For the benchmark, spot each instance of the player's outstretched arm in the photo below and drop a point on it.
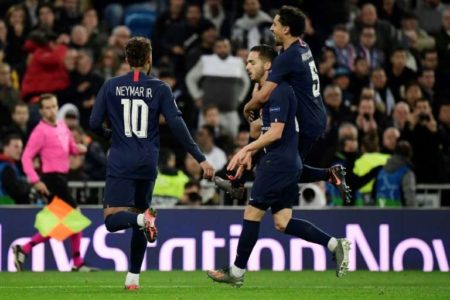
(273, 134)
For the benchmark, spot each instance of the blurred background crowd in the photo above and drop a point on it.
(384, 70)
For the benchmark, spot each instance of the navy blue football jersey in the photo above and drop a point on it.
(133, 103)
(282, 155)
(296, 66)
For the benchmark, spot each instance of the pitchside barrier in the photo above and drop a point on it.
(205, 238)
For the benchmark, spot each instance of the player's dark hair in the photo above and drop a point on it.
(137, 51)
(294, 18)
(10, 137)
(266, 52)
(44, 97)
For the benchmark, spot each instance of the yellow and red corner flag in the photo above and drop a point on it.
(59, 220)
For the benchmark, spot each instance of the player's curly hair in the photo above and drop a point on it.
(294, 18)
(137, 51)
(266, 52)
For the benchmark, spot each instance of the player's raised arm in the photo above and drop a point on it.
(99, 112)
(179, 129)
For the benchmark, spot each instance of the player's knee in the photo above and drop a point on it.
(109, 224)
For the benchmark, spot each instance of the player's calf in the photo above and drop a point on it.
(150, 230)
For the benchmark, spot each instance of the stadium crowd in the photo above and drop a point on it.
(384, 70)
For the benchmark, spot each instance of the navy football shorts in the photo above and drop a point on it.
(125, 192)
(275, 190)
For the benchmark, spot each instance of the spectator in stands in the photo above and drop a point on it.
(19, 122)
(203, 46)
(344, 50)
(76, 162)
(253, 28)
(18, 28)
(367, 48)
(427, 142)
(444, 127)
(342, 80)
(70, 114)
(312, 38)
(94, 160)
(191, 195)
(78, 37)
(370, 159)
(47, 20)
(181, 36)
(365, 119)
(400, 116)
(3, 34)
(69, 15)
(384, 96)
(413, 93)
(395, 185)
(97, 39)
(429, 59)
(85, 84)
(205, 140)
(14, 188)
(386, 33)
(214, 12)
(46, 71)
(360, 76)
(337, 110)
(327, 66)
(222, 137)
(169, 185)
(443, 43)
(390, 138)
(108, 63)
(391, 12)
(118, 40)
(220, 79)
(399, 74)
(31, 7)
(414, 36)
(163, 22)
(427, 82)
(429, 13)
(9, 96)
(241, 139)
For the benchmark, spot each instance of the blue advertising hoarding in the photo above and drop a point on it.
(200, 239)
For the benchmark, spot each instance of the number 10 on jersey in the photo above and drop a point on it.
(135, 110)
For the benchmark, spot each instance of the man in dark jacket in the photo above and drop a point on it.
(13, 189)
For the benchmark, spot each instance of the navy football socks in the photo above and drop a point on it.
(310, 174)
(121, 220)
(137, 251)
(247, 240)
(307, 231)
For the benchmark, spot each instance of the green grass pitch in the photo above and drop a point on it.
(107, 285)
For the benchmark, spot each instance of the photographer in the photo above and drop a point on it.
(365, 119)
(427, 142)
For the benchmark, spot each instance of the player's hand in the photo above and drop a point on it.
(82, 149)
(248, 113)
(41, 188)
(239, 159)
(208, 170)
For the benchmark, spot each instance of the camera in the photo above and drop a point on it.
(424, 117)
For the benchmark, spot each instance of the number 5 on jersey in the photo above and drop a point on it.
(315, 79)
(135, 110)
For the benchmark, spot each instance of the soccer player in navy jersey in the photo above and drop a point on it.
(276, 178)
(133, 103)
(296, 65)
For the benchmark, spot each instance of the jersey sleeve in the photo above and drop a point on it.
(177, 125)
(33, 147)
(279, 104)
(281, 67)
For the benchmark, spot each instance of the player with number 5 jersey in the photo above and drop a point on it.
(133, 104)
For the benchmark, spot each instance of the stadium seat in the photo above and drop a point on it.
(141, 22)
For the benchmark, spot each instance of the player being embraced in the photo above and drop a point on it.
(276, 178)
(296, 65)
(133, 103)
